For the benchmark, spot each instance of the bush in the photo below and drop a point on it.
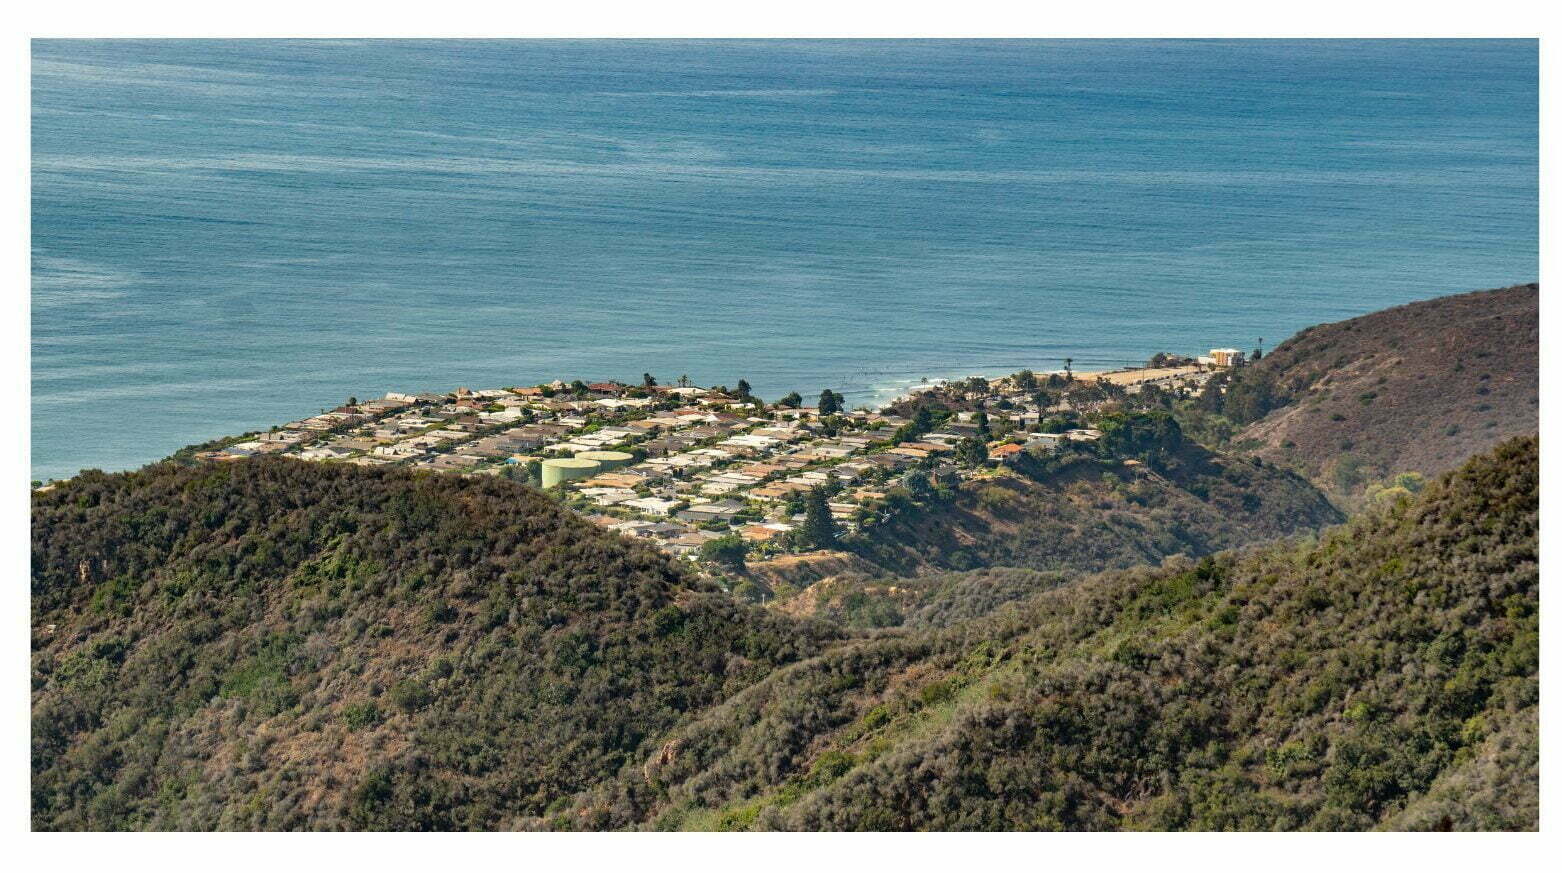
(411, 695)
(728, 551)
(361, 715)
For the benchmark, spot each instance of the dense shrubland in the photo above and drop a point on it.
(1086, 510)
(276, 644)
(272, 644)
(1382, 676)
(1415, 388)
(859, 600)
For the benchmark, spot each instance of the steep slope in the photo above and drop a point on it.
(1086, 514)
(276, 644)
(272, 644)
(1416, 388)
(927, 601)
(1383, 676)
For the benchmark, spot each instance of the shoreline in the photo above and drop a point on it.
(875, 397)
(703, 471)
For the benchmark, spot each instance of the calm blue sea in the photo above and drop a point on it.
(231, 234)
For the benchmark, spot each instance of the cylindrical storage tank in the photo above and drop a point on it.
(556, 471)
(608, 460)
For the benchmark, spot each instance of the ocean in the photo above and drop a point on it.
(232, 234)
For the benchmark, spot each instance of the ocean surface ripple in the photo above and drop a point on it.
(232, 234)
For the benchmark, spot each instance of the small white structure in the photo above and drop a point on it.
(1223, 358)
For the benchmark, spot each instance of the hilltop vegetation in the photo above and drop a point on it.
(1082, 512)
(931, 600)
(1384, 676)
(270, 644)
(1416, 388)
(283, 645)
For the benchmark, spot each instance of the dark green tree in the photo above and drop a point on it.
(1212, 398)
(1251, 397)
(972, 451)
(1140, 435)
(728, 551)
(829, 402)
(818, 524)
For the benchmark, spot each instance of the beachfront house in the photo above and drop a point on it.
(1223, 358)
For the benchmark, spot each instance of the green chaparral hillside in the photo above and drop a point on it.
(1089, 510)
(860, 600)
(272, 644)
(283, 645)
(1382, 676)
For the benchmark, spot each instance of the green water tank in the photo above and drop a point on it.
(556, 471)
(608, 460)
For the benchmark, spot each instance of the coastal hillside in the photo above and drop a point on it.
(1412, 389)
(1381, 677)
(930, 600)
(1082, 513)
(269, 644)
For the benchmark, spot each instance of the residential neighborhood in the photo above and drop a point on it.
(682, 466)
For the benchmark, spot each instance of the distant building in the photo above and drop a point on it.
(719, 511)
(652, 505)
(1047, 440)
(1223, 358)
(1004, 452)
